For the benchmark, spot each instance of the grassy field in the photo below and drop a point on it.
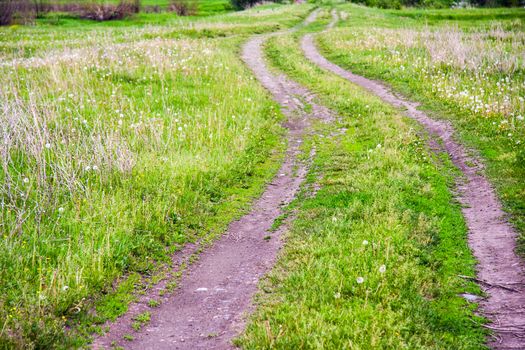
(464, 65)
(372, 261)
(121, 142)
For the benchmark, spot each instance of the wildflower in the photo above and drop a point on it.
(65, 288)
(378, 145)
(337, 295)
(26, 180)
(519, 117)
(382, 269)
(95, 168)
(87, 168)
(61, 210)
(365, 242)
(48, 145)
(179, 128)
(359, 280)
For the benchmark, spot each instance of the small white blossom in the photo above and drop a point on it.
(60, 210)
(26, 180)
(382, 269)
(95, 168)
(48, 145)
(87, 168)
(65, 288)
(359, 280)
(365, 242)
(337, 295)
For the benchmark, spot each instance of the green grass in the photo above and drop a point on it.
(124, 142)
(477, 83)
(384, 201)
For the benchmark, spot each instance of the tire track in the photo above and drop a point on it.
(215, 293)
(491, 238)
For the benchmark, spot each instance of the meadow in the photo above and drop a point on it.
(125, 141)
(120, 143)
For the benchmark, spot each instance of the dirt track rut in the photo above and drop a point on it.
(215, 293)
(491, 238)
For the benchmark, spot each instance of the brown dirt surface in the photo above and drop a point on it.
(500, 272)
(214, 295)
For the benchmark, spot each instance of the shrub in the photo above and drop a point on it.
(183, 7)
(15, 11)
(6, 12)
(106, 12)
(242, 4)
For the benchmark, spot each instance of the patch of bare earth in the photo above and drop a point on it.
(214, 295)
(500, 272)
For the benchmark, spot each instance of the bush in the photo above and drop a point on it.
(106, 12)
(242, 4)
(183, 7)
(16, 11)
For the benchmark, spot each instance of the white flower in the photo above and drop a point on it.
(359, 280)
(519, 117)
(95, 168)
(65, 288)
(179, 128)
(60, 210)
(87, 168)
(26, 180)
(337, 295)
(378, 145)
(382, 269)
(365, 242)
(48, 145)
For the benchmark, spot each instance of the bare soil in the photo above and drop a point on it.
(500, 272)
(214, 295)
